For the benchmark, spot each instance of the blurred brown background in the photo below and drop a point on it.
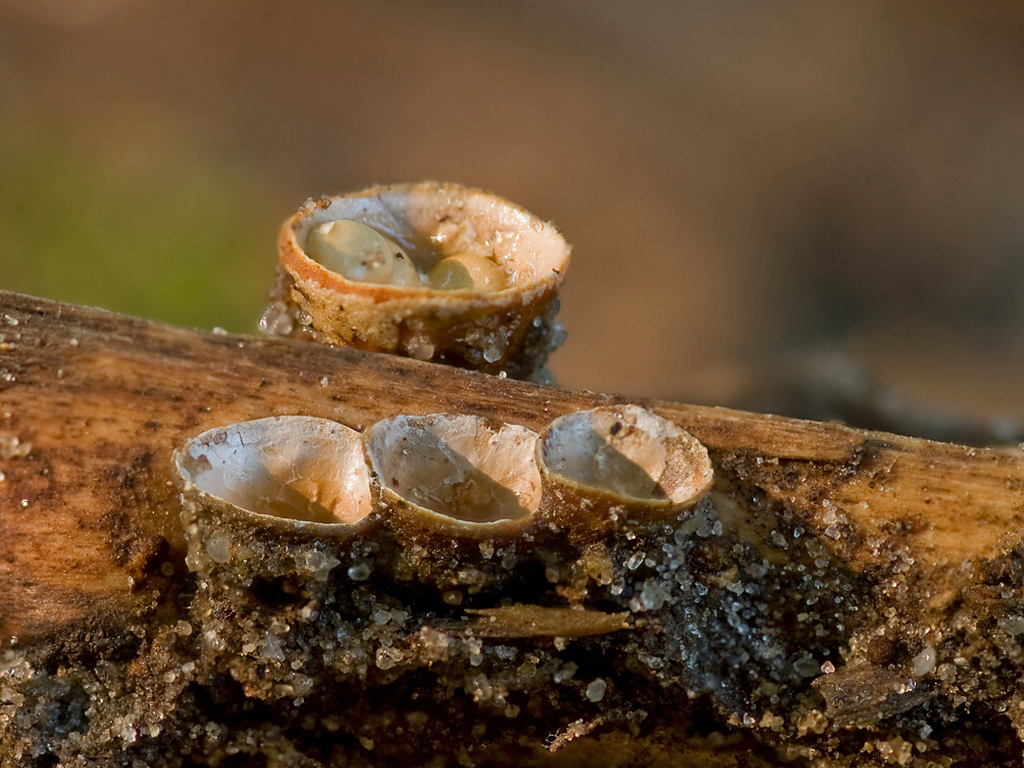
(742, 181)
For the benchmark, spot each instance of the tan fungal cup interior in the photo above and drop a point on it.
(629, 452)
(457, 238)
(471, 469)
(295, 467)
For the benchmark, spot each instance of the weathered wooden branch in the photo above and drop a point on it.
(92, 405)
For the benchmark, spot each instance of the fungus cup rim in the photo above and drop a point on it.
(365, 205)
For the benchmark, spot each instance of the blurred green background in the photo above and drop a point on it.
(138, 226)
(742, 181)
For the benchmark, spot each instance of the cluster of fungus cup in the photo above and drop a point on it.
(432, 271)
(435, 478)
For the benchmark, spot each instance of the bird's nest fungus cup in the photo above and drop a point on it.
(432, 271)
(618, 467)
(280, 480)
(453, 476)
